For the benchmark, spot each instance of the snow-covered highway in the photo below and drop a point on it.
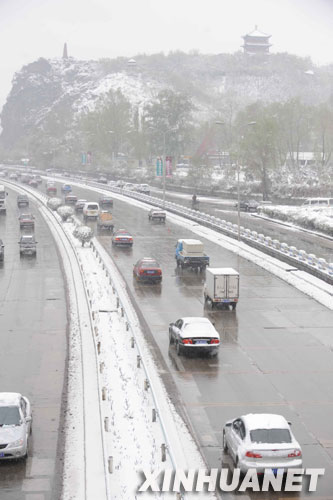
(276, 354)
(277, 349)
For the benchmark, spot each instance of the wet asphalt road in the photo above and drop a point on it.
(33, 351)
(320, 246)
(276, 354)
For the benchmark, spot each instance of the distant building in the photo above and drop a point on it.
(256, 42)
(65, 52)
(131, 63)
(303, 158)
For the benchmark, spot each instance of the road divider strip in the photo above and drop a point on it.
(102, 316)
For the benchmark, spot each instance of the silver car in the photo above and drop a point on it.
(261, 441)
(194, 334)
(15, 425)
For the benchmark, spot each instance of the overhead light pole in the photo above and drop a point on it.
(112, 153)
(164, 158)
(238, 177)
(238, 184)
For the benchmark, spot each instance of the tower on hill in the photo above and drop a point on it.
(65, 53)
(256, 42)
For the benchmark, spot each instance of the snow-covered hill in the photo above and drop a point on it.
(63, 88)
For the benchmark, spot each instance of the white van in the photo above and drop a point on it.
(90, 210)
(318, 202)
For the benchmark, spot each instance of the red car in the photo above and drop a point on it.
(27, 220)
(147, 269)
(122, 238)
(51, 190)
(70, 199)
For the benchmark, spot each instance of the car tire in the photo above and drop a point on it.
(224, 443)
(179, 349)
(171, 339)
(24, 458)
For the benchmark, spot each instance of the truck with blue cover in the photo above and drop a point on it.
(190, 253)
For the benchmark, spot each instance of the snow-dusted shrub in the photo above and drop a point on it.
(316, 218)
(65, 212)
(54, 203)
(83, 234)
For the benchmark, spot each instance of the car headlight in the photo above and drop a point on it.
(18, 442)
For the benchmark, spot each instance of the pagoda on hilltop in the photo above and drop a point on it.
(65, 52)
(256, 42)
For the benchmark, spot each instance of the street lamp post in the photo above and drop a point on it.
(164, 167)
(238, 201)
(238, 179)
(111, 132)
(238, 186)
(163, 159)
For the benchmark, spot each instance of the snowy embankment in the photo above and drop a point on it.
(132, 392)
(314, 218)
(119, 419)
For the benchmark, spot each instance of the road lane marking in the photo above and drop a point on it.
(256, 403)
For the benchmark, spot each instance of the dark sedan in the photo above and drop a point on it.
(248, 206)
(27, 220)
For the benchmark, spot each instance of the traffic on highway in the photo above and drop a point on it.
(251, 383)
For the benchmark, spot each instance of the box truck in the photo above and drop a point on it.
(221, 287)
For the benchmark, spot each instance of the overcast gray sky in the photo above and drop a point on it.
(30, 29)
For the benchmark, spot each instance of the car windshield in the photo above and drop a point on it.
(270, 436)
(148, 264)
(123, 235)
(9, 415)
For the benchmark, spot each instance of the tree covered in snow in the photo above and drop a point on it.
(54, 203)
(168, 122)
(83, 234)
(108, 124)
(65, 212)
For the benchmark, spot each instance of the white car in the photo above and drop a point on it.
(143, 188)
(90, 210)
(195, 335)
(157, 214)
(261, 441)
(79, 205)
(15, 425)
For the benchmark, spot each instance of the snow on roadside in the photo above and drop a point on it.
(134, 441)
(315, 218)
